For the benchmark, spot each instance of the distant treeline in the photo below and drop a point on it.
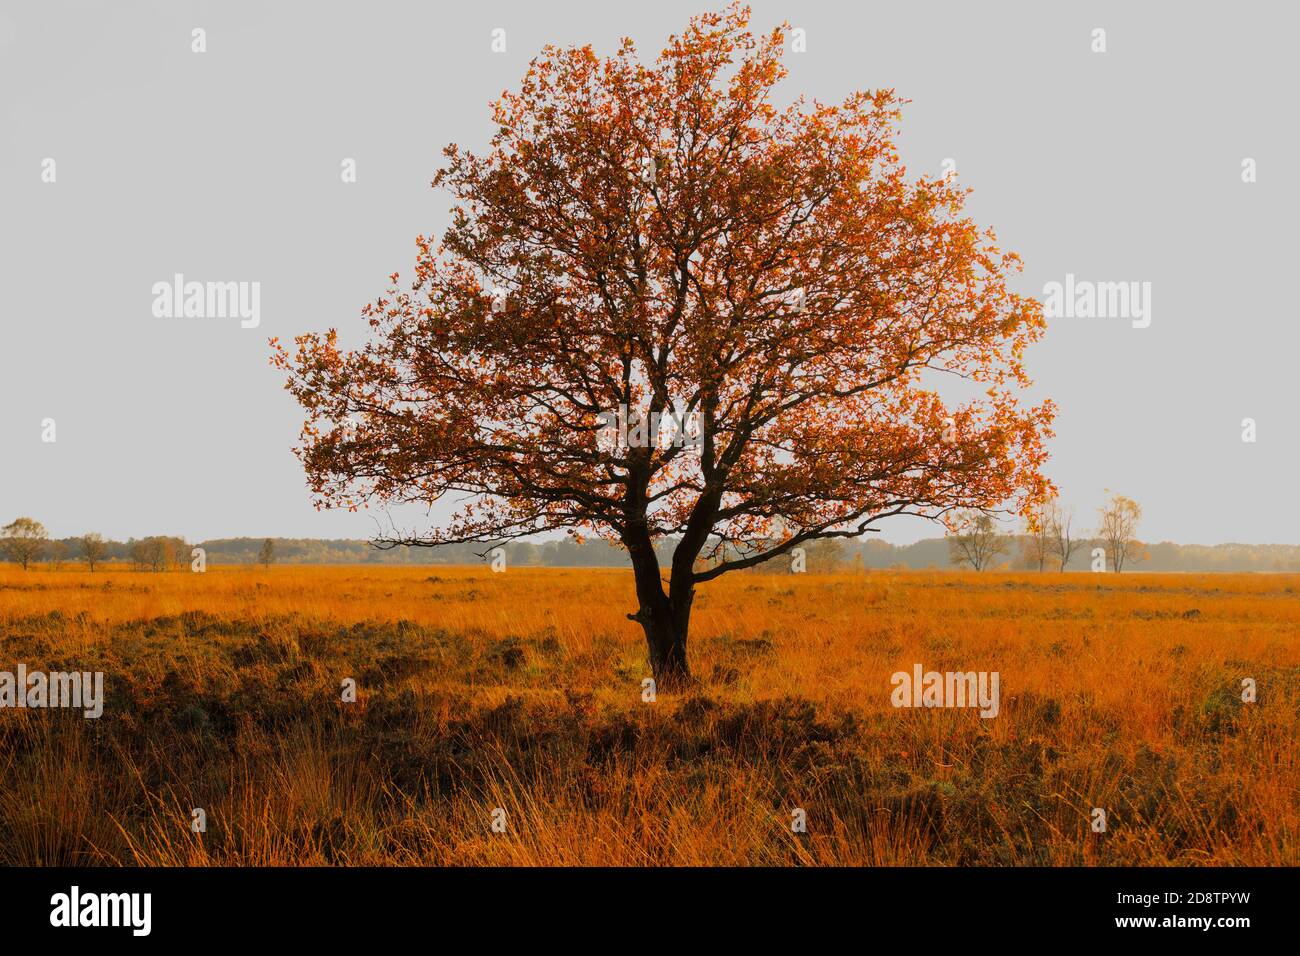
(1166, 556)
(560, 553)
(821, 556)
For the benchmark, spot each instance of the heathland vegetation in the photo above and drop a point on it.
(522, 692)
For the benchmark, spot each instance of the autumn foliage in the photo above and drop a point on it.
(664, 237)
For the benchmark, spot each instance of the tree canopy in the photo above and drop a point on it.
(663, 238)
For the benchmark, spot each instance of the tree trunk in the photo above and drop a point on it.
(665, 620)
(666, 626)
(667, 646)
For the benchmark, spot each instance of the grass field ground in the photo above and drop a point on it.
(523, 691)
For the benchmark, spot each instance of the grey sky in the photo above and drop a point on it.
(1122, 166)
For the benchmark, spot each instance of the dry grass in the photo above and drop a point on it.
(522, 691)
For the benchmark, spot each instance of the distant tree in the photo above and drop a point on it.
(92, 549)
(267, 554)
(976, 541)
(820, 556)
(1037, 541)
(56, 552)
(1117, 529)
(177, 550)
(158, 553)
(825, 555)
(1060, 521)
(23, 540)
(144, 553)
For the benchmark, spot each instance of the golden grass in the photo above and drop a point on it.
(522, 691)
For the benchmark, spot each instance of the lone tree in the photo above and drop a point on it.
(663, 243)
(975, 541)
(92, 549)
(23, 540)
(1117, 527)
(1060, 522)
(267, 554)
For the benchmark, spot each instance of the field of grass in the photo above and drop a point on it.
(522, 691)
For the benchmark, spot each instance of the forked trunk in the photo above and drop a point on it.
(666, 619)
